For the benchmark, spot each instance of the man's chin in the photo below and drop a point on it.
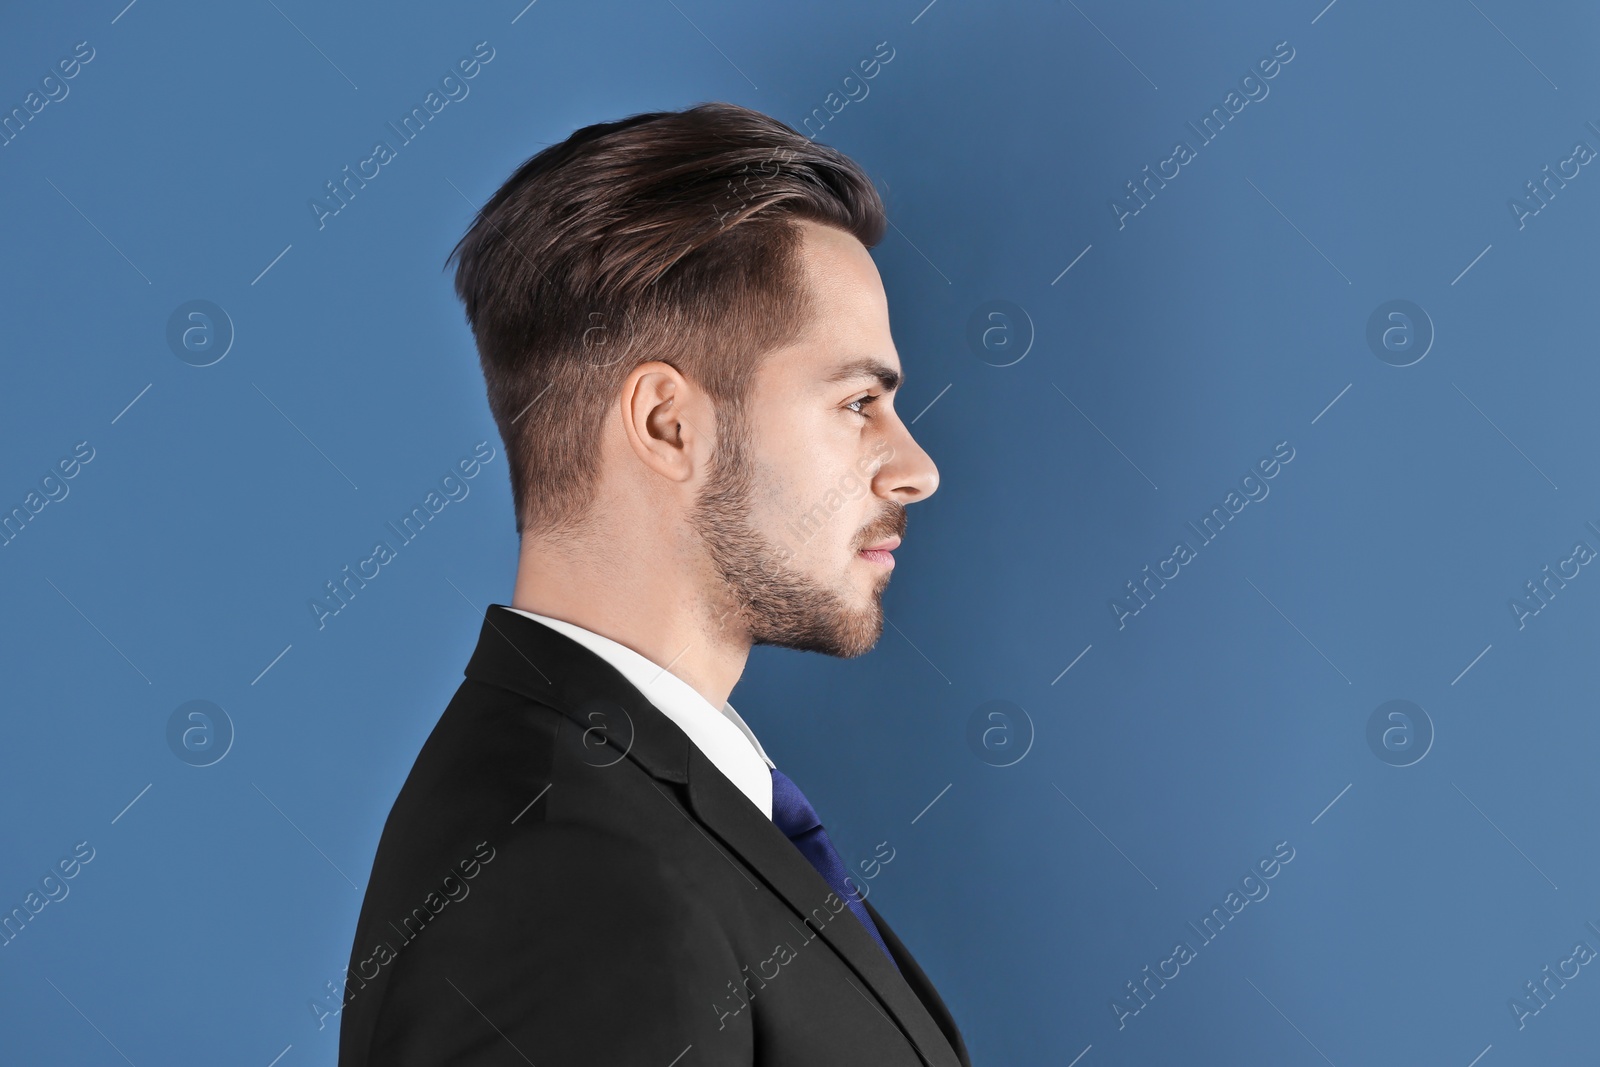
(843, 637)
(832, 648)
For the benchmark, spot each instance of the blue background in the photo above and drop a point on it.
(1229, 314)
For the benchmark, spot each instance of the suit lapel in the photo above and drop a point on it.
(729, 814)
(517, 653)
(924, 988)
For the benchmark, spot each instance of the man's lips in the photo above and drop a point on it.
(881, 553)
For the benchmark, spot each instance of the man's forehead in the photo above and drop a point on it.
(837, 262)
(847, 339)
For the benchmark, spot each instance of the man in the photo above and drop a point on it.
(593, 861)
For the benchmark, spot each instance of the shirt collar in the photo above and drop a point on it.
(723, 736)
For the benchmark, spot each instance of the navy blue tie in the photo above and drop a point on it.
(793, 814)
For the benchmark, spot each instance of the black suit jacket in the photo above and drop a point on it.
(567, 879)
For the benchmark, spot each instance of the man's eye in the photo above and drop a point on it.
(869, 398)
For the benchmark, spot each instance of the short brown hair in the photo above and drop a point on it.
(668, 235)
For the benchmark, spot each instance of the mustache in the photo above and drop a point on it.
(892, 524)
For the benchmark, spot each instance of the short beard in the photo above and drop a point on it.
(775, 604)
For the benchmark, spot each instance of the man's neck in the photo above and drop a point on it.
(651, 610)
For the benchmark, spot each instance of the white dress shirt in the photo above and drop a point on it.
(722, 736)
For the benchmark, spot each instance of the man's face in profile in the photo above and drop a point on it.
(819, 469)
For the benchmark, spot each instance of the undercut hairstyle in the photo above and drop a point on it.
(668, 235)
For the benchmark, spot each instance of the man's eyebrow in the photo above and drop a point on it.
(868, 367)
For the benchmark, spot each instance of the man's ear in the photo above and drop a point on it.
(653, 404)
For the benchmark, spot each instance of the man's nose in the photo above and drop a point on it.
(909, 475)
